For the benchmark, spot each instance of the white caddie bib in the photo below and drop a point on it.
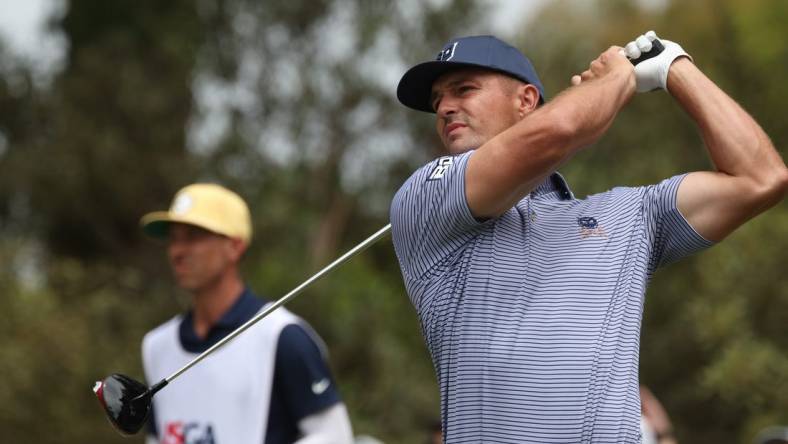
(225, 398)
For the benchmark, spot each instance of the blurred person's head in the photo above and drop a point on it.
(207, 229)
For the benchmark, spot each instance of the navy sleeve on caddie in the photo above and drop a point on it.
(673, 237)
(151, 423)
(430, 217)
(301, 375)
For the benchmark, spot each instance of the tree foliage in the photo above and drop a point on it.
(292, 104)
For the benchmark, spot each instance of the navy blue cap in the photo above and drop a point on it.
(481, 51)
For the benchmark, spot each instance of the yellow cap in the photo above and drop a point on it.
(205, 205)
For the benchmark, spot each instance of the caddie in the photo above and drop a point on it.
(269, 386)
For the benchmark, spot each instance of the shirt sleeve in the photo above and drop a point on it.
(151, 429)
(302, 376)
(331, 425)
(672, 236)
(430, 217)
(150, 424)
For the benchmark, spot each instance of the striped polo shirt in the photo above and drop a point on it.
(533, 318)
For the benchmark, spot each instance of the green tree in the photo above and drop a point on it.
(292, 104)
(130, 120)
(83, 157)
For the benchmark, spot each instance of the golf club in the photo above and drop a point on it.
(656, 49)
(127, 402)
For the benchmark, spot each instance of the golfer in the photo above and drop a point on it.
(271, 385)
(530, 299)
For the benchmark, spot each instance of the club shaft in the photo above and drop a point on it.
(283, 300)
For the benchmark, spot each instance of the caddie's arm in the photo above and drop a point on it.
(507, 167)
(750, 178)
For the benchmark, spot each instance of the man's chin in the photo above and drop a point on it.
(459, 148)
(186, 284)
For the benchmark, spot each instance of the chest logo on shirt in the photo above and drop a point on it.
(441, 168)
(179, 432)
(589, 227)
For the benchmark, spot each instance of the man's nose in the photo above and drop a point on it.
(446, 107)
(175, 247)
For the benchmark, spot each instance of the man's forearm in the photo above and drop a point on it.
(570, 122)
(736, 143)
(511, 164)
(593, 105)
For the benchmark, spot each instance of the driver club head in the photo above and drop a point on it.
(127, 402)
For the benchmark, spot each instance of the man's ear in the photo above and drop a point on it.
(527, 99)
(237, 249)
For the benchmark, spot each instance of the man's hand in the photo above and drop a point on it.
(651, 69)
(610, 61)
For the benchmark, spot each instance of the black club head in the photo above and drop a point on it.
(126, 401)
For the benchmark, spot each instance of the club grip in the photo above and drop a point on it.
(656, 49)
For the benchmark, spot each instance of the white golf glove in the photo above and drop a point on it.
(651, 64)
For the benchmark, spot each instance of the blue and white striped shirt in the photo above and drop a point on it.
(533, 318)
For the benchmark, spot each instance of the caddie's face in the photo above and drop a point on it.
(472, 106)
(198, 257)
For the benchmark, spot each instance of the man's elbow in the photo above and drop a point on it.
(771, 186)
(780, 184)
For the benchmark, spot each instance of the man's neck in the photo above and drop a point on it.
(211, 303)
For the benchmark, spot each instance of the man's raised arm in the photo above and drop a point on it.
(511, 164)
(750, 178)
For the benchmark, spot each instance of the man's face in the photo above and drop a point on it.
(472, 106)
(198, 257)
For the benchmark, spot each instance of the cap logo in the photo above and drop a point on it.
(447, 54)
(182, 204)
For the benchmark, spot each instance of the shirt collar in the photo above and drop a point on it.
(554, 186)
(241, 311)
(244, 307)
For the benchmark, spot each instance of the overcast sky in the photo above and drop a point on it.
(22, 23)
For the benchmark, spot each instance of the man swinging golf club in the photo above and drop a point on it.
(530, 300)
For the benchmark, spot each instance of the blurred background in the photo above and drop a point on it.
(107, 108)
